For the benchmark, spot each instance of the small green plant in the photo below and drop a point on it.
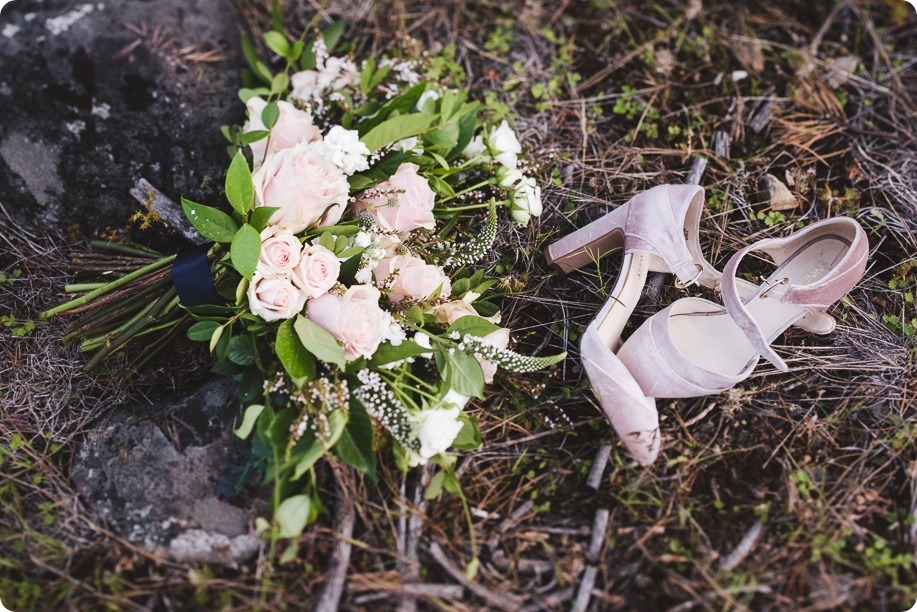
(19, 328)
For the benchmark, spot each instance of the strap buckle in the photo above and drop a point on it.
(772, 285)
(693, 281)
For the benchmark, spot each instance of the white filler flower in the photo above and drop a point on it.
(344, 149)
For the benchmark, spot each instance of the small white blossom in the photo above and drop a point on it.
(344, 149)
(475, 148)
(392, 330)
(409, 145)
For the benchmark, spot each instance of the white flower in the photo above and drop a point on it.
(305, 85)
(392, 330)
(409, 145)
(455, 399)
(364, 275)
(423, 340)
(508, 177)
(475, 148)
(526, 201)
(430, 94)
(362, 239)
(344, 149)
(504, 145)
(337, 73)
(436, 430)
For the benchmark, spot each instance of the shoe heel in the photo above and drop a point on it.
(587, 244)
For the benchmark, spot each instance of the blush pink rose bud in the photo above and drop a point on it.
(293, 127)
(317, 271)
(309, 190)
(274, 298)
(280, 253)
(450, 312)
(402, 203)
(412, 278)
(354, 318)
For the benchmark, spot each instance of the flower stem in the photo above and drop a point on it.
(85, 299)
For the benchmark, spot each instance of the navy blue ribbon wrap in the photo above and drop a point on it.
(192, 279)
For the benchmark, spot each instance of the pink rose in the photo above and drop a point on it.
(354, 318)
(411, 277)
(280, 253)
(309, 190)
(317, 271)
(274, 298)
(402, 203)
(293, 127)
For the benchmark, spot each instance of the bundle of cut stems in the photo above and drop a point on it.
(134, 301)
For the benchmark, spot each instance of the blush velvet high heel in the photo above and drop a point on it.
(658, 231)
(696, 347)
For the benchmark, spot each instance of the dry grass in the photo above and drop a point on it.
(795, 491)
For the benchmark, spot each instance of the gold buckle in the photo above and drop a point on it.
(779, 281)
(693, 281)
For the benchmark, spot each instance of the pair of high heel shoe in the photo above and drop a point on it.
(695, 347)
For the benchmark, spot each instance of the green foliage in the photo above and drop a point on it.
(245, 250)
(212, 223)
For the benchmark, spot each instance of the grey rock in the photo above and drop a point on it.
(154, 475)
(97, 94)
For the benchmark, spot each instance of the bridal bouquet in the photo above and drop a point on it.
(340, 290)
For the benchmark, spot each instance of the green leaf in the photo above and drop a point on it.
(245, 250)
(463, 373)
(367, 75)
(270, 115)
(356, 444)
(248, 420)
(246, 93)
(202, 331)
(397, 128)
(277, 43)
(445, 138)
(337, 421)
(261, 216)
(315, 452)
(440, 186)
(387, 353)
(296, 360)
(251, 56)
(242, 350)
(476, 326)
(319, 342)
(213, 224)
(240, 191)
(332, 35)
(215, 337)
(254, 136)
(469, 438)
(435, 488)
(292, 515)
(279, 83)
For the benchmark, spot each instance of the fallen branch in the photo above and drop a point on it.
(330, 597)
(497, 600)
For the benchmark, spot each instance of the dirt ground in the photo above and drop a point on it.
(792, 491)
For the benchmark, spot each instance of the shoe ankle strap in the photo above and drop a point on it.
(814, 297)
(664, 222)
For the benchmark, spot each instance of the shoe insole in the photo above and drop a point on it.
(623, 299)
(711, 338)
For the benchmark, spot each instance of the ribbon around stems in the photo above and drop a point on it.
(192, 280)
